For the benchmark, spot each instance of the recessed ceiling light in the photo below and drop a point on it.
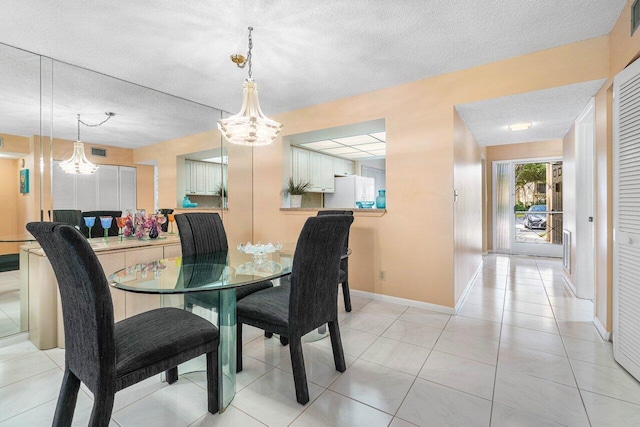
(221, 160)
(320, 145)
(382, 136)
(356, 155)
(356, 140)
(340, 150)
(374, 146)
(520, 126)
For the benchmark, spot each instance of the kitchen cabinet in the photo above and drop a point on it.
(314, 167)
(213, 178)
(343, 167)
(202, 178)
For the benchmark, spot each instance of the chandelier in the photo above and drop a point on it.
(78, 162)
(250, 126)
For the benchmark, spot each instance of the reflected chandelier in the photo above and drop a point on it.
(250, 126)
(78, 162)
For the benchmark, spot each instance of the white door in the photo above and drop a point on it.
(626, 219)
(585, 249)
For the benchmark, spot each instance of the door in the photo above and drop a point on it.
(585, 249)
(536, 197)
(626, 218)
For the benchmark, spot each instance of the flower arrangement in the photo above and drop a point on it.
(140, 224)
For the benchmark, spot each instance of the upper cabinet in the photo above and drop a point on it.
(318, 169)
(202, 178)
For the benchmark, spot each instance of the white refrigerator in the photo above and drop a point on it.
(350, 189)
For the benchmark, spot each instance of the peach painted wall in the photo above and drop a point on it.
(418, 229)
(569, 193)
(9, 192)
(526, 150)
(467, 182)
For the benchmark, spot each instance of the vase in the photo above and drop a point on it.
(153, 231)
(381, 200)
(295, 201)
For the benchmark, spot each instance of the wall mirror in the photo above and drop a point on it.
(344, 166)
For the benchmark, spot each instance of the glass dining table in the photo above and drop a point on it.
(213, 278)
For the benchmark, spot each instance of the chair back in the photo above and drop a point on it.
(68, 216)
(87, 309)
(165, 227)
(346, 242)
(202, 269)
(201, 233)
(314, 294)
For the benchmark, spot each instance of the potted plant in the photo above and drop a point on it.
(295, 190)
(223, 193)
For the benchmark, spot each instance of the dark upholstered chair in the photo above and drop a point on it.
(68, 216)
(310, 301)
(202, 233)
(165, 212)
(344, 263)
(97, 230)
(108, 356)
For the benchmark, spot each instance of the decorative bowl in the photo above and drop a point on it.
(259, 252)
(365, 205)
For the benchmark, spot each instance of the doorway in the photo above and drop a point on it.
(528, 207)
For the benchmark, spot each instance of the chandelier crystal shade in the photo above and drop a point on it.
(78, 162)
(250, 126)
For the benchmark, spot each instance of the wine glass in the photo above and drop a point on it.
(106, 221)
(122, 223)
(172, 219)
(90, 221)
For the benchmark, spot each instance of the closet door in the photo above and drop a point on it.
(626, 219)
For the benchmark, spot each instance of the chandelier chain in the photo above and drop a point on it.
(109, 115)
(248, 60)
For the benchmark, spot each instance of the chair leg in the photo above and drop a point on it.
(212, 382)
(299, 374)
(66, 400)
(346, 295)
(172, 375)
(268, 334)
(336, 345)
(239, 347)
(102, 408)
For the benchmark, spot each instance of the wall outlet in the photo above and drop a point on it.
(383, 275)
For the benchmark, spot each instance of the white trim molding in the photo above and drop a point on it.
(601, 330)
(569, 282)
(467, 288)
(403, 301)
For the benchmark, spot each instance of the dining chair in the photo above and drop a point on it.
(165, 227)
(68, 216)
(344, 263)
(309, 302)
(200, 233)
(106, 356)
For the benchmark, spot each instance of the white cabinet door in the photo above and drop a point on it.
(342, 167)
(198, 178)
(315, 171)
(299, 165)
(327, 173)
(187, 176)
(64, 188)
(107, 181)
(213, 177)
(127, 187)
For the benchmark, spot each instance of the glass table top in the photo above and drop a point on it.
(203, 272)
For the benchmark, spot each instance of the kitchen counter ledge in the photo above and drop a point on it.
(356, 211)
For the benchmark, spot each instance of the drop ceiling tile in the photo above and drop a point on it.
(375, 146)
(321, 145)
(356, 140)
(341, 150)
(377, 152)
(357, 155)
(382, 136)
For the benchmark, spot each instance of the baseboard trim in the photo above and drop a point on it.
(569, 282)
(403, 301)
(601, 330)
(467, 288)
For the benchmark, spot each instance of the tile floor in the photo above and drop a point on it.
(521, 352)
(9, 303)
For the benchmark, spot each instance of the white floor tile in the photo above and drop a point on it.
(536, 363)
(541, 398)
(468, 346)
(612, 382)
(332, 409)
(430, 404)
(503, 416)
(536, 340)
(369, 323)
(530, 321)
(27, 366)
(27, 394)
(605, 411)
(397, 422)
(374, 385)
(475, 327)
(384, 309)
(272, 398)
(413, 333)
(16, 350)
(267, 350)
(600, 353)
(354, 342)
(459, 373)
(528, 308)
(580, 330)
(425, 317)
(491, 314)
(319, 365)
(231, 417)
(403, 357)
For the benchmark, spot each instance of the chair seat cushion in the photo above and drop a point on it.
(158, 335)
(343, 276)
(243, 291)
(269, 307)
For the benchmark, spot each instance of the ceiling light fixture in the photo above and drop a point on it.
(520, 126)
(250, 126)
(78, 162)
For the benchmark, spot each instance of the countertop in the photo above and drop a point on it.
(99, 245)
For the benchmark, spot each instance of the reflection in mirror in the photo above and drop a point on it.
(344, 167)
(20, 151)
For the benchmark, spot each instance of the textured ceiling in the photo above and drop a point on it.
(551, 112)
(305, 53)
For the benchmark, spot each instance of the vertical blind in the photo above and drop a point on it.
(503, 208)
